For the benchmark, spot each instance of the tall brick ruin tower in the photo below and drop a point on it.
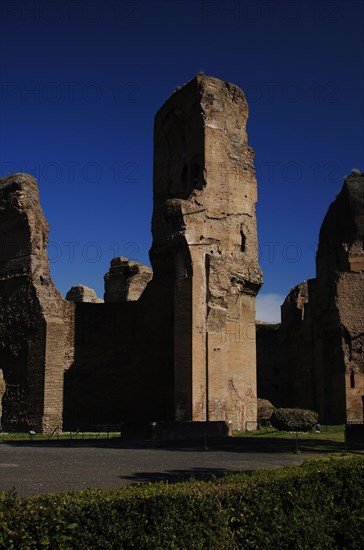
(337, 294)
(205, 251)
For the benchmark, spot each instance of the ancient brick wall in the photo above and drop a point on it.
(204, 251)
(352, 319)
(270, 379)
(35, 322)
(126, 280)
(319, 346)
(101, 385)
(339, 295)
(178, 347)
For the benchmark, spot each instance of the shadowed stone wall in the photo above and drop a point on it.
(36, 336)
(101, 386)
(317, 359)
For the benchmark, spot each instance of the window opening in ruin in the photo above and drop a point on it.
(352, 379)
(243, 241)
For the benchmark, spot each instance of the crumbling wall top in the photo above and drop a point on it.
(342, 231)
(126, 280)
(293, 307)
(24, 236)
(82, 293)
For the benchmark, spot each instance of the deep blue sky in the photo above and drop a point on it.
(81, 82)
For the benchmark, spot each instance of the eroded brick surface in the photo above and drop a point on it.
(315, 359)
(126, 280)
(35, 322)
(205, 244)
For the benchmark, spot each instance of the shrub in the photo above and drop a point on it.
(318, 505)
(294, 420)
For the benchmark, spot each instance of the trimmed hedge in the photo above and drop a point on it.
(318, 505)
(295, 420)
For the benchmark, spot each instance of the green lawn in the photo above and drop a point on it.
(331, 439)
(332, 433)
(25, 436)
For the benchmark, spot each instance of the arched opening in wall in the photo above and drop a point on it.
(243, 241)
(352, 379)
(2, 391)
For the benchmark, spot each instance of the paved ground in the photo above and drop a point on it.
(41, 467)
